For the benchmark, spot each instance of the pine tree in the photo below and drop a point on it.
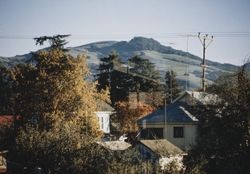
(56, 42)
(111, 78)
(145, 75)
(172, 87)
(223, 139)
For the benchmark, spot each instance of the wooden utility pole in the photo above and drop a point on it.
(203, 39)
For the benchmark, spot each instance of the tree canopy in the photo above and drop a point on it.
(57, 106)
(224, 130)
(172, 87)
(109, 77)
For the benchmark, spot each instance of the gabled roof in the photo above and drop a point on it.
(104, 106)
(203, 98)
(115, 145)
(179, 110)
(174, 113)
(162, 147)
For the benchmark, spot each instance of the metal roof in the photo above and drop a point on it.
(179, 110)
(162, 147)
(174, 113)
(115, 145)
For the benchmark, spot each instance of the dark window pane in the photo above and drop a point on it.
(178, 132)
(152, 133)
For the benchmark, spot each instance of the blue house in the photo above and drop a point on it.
(176, 121)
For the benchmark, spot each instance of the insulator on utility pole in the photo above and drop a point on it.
(203, 39)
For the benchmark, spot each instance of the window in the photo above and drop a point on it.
(152, 133)
(178, 132)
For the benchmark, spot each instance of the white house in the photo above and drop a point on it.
(103, 113)
(175, 122)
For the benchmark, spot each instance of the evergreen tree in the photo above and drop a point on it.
(5, 89)
(56, 42)
(143, 75)
(172, 87)
(224, 130)
(111, 78)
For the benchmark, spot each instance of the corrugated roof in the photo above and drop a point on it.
(162, 147)
(115, 145)
(178, 111)
(203, 98)
(174, 113)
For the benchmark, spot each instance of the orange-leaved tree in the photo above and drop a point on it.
(127, 114)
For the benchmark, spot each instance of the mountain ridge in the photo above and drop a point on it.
(164, 58)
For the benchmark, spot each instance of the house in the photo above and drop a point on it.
(176, 122)
(115, 145)
(103, 113)
(162, 152)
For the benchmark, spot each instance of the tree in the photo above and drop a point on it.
(224, 128)
(5, 91)
(57, 106)
(145, 75)
(111, 78)
(56, 42)
(127, 115)
(172, 87)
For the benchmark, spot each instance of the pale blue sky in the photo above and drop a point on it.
(98, 20)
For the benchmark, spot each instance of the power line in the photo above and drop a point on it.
(162, 35)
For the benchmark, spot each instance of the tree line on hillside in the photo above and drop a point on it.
(139, 75)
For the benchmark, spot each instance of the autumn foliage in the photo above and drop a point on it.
(129, 112)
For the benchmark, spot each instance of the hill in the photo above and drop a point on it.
(186, 65)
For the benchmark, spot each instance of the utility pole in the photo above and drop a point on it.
(171, 86)
(203, 39)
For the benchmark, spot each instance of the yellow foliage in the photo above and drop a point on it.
(56, 92)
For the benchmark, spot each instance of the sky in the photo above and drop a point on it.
(167, 21)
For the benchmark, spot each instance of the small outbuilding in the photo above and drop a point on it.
(161, 151)
(103, 113)
(115, 145)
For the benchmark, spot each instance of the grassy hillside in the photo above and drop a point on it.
(186, 65)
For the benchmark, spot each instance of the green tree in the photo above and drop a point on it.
(56, 42)
(172, 90)
(224, 128)
(5, 88)
(110, 77)
(143, 76)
